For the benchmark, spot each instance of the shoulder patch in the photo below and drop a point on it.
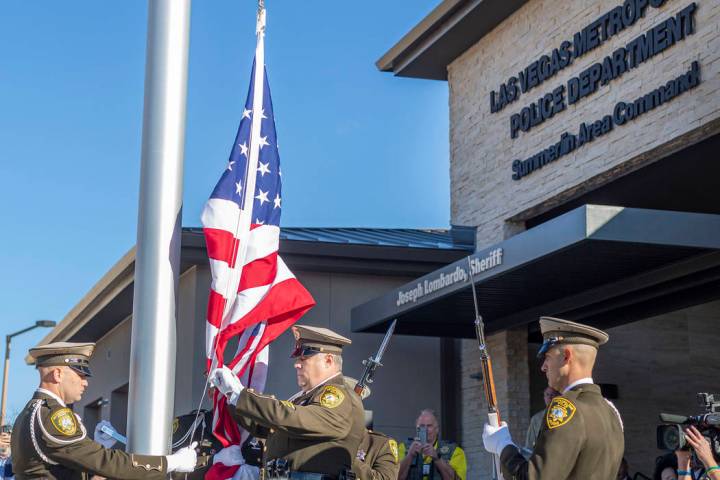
(559, 412)
(331, 397)
(288, 404)
(394, 449)
(64, 422)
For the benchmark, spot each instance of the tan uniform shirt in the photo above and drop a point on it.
(377, 458)
(580, 439)
(50, 441)
(319, 431)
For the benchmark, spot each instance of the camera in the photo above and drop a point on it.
(671, 436)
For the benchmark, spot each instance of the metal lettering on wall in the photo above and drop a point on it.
(592, 36)
(621, 114)
(654, 41)
(427, 286)
(650, 43)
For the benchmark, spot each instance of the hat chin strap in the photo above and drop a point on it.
(324, 382)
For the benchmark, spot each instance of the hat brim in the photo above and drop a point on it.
(547, 345)
(304, 351)
(82, 370)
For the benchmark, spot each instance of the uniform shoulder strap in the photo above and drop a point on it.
(36, 406)
(616, 412)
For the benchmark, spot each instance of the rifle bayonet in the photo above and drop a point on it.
(372, 363)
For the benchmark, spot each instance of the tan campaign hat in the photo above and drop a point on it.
(311, 340)
(556, 331)
(73, 355)
(351, 382)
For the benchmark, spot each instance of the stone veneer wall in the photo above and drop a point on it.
(483, 192)
(510, 368)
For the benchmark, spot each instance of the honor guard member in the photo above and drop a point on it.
(50, 441)
(316, 433)
(582, 435)
(377, 456)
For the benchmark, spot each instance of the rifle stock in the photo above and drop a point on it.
(366, 376)
(487, 373)
(489, 387)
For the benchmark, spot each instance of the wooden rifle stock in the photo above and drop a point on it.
(487, 373)
(489, 386)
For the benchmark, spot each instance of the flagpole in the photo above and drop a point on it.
(157, 260)
(251, 173)
(242, 228)
(245, 219)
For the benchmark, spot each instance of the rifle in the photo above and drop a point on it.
(487, 373)
(372, 363)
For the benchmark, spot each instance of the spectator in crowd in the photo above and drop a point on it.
(437, 459)
(536, 421)
(5, 462)
(701, 447)
(624, 470)
(666, 468)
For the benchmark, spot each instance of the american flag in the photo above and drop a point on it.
(253, 293)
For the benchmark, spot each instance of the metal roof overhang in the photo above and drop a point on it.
(598, 264)
(443, 35)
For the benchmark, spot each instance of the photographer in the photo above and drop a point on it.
(701, 447)
(434, 459)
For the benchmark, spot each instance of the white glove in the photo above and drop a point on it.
(227, 383)
(247, 472)
(101, 437)
(183, 460)
(229, 456)
(495, 439)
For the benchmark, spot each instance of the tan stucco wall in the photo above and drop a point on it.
(408, 381)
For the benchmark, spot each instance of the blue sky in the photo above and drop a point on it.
(358, 147)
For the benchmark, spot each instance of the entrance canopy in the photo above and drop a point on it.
(598, 264)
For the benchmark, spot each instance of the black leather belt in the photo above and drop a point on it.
(278, 470)
(300, 476)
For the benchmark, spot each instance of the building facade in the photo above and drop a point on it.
(340, 267)
(584, 148)
(584, 159)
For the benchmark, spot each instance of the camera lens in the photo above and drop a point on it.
(671, 438)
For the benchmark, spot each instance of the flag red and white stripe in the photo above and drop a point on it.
(253, 293)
